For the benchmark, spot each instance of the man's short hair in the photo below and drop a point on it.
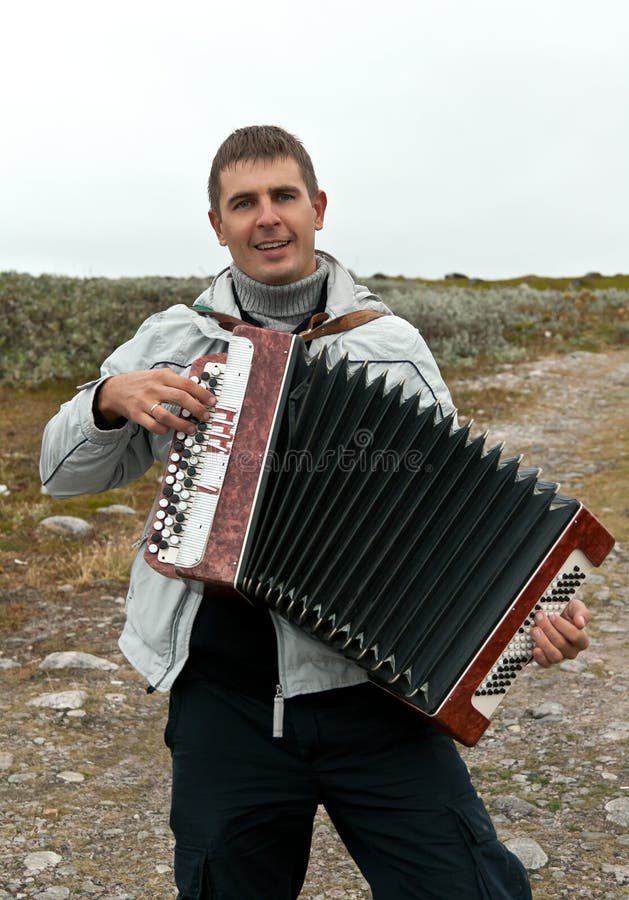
(259, 142)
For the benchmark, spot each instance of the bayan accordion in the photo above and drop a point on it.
(373, 524)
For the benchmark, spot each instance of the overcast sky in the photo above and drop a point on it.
(489, 137)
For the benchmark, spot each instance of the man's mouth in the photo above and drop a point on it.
(272, 245)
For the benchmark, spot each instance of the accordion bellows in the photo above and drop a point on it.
(377, 527)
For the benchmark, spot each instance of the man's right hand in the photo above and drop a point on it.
(139, 396)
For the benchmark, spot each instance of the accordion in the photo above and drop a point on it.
(372, 523)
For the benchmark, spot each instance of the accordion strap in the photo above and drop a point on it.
(319, 326)
(225, 321)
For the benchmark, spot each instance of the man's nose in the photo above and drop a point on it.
(267, 214)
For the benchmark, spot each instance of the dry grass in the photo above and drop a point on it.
(33, 557)
(83, 565)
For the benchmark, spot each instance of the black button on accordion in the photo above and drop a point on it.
(372, 524)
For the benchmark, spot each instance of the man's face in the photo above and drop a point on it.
(268, 221)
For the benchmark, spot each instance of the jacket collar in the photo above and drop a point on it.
(343, 293)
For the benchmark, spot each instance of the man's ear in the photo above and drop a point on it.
(216, 225)
(319, 204)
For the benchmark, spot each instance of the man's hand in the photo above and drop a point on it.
(139, 396)
(559, 637)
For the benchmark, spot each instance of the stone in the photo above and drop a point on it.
(616, 731)
(53, 893)
(6, 760)
(60, 700)
(116, 509)
(514, 807)
(67, 526)
(4, 490)
(573, 665)
(618, 811)
(75, 659)
(549, 708)
(40, 860)
(528, 852)
(66, 871)
(6, 664)
(620, 873)
(611, 628)
(71, 777)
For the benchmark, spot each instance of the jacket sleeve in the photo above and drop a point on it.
(77, 457)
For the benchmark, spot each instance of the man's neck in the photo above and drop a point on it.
(280, 306)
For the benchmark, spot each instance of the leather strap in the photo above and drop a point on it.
(225, 321)
(319, 326)
(334, 326)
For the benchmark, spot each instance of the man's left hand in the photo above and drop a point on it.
(559, 637)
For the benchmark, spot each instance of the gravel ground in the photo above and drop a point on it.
(84, 787)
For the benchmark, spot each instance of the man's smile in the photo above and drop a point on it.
(271, 245)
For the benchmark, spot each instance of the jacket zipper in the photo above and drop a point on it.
(278, 712)
(278, 701)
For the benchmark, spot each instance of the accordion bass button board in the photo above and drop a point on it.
(373, 524)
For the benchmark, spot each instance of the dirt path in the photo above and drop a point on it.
(88, 788)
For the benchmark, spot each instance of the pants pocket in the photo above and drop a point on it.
(192, 873)
(174, 705)
(500, 874)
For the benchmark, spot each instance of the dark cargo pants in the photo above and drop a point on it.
(396, 790)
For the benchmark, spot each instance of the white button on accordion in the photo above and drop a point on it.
(372, 524)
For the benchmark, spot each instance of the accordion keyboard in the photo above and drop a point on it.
(519, 651)
(197, 464)
(185, 469)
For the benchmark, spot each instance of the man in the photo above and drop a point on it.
(243, 800)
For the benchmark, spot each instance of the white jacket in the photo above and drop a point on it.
(79, 458)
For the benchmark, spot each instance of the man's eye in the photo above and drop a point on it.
(243, 204)
(284, 197)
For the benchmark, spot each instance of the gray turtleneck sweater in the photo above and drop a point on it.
(281, 307)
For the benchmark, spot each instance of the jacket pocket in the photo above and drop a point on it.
(500, 874)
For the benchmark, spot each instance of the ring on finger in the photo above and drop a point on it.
(153, 407)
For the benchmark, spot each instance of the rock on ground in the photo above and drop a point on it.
(528, 852)
(60, 700)
(75, 659)
(67, 526)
